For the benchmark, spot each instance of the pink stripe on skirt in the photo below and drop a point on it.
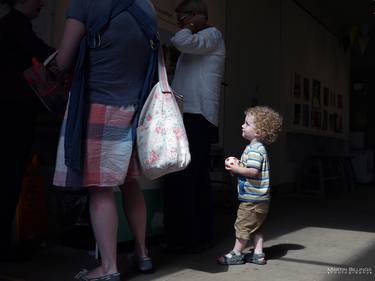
(108, 150)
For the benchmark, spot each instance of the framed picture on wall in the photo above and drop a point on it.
(297, 114)
(332, 99)
(316, 114)
(297, 86)
(306, 89)
(316, 118)
(331, 122)
(339, 128)
(340, 101)
(315, 98)
(316, 108)
(326, 96)
(325, 120)
(306, 115)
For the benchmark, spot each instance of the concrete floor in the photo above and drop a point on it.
(307, 239)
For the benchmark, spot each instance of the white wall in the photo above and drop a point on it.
(253, 64)
(267, 42)
(311, 50)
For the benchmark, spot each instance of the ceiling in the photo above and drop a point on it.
(339, 15)
(342, 18)
(351, 12)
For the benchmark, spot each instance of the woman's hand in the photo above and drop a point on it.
(194, 22)
(186, 22)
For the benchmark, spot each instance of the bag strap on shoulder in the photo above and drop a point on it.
(99, 25)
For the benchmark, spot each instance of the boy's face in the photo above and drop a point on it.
(249, 131)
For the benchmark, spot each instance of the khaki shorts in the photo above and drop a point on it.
(250, 216)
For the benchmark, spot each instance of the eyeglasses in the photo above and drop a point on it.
(181, 16)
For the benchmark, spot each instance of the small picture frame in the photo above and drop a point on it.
(332, 99)
(306, 115)
(297, 86)
(326, 96)
(340, 102)
(325, 120)
(316, 99)
(297, 114)
(306, 89)
(316, 118)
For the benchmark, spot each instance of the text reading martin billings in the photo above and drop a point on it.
(350, 270)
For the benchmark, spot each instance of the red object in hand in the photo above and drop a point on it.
(34, 61)
(231, 161)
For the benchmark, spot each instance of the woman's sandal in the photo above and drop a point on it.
(231, 259)
(259, 259)
(143, 264)
(109, 277)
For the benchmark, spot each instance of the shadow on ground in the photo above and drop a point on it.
(280, 250)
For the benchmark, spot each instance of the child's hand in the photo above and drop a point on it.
(231, 163)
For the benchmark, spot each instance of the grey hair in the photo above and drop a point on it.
(192, 5)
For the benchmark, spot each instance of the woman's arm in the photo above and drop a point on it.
(196, 43)
(74, 31)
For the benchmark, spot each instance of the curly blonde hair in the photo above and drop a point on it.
(267, 121)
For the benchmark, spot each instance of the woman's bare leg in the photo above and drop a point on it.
(135, 211)
(104, 220)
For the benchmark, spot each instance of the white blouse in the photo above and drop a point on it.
(199, 70)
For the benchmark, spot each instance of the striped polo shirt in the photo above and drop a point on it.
(257, 188)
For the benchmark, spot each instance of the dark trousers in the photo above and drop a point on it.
(188, 210)
(17, 125)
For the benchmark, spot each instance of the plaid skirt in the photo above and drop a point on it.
(109, 156)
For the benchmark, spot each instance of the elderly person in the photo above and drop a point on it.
(199, 71)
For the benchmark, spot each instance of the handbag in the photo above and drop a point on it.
(162, 142)
(48, 87)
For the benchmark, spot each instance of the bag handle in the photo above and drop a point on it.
(163, 78)
(50, 58)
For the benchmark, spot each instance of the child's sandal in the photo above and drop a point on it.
(259, 259)
(231, 259)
